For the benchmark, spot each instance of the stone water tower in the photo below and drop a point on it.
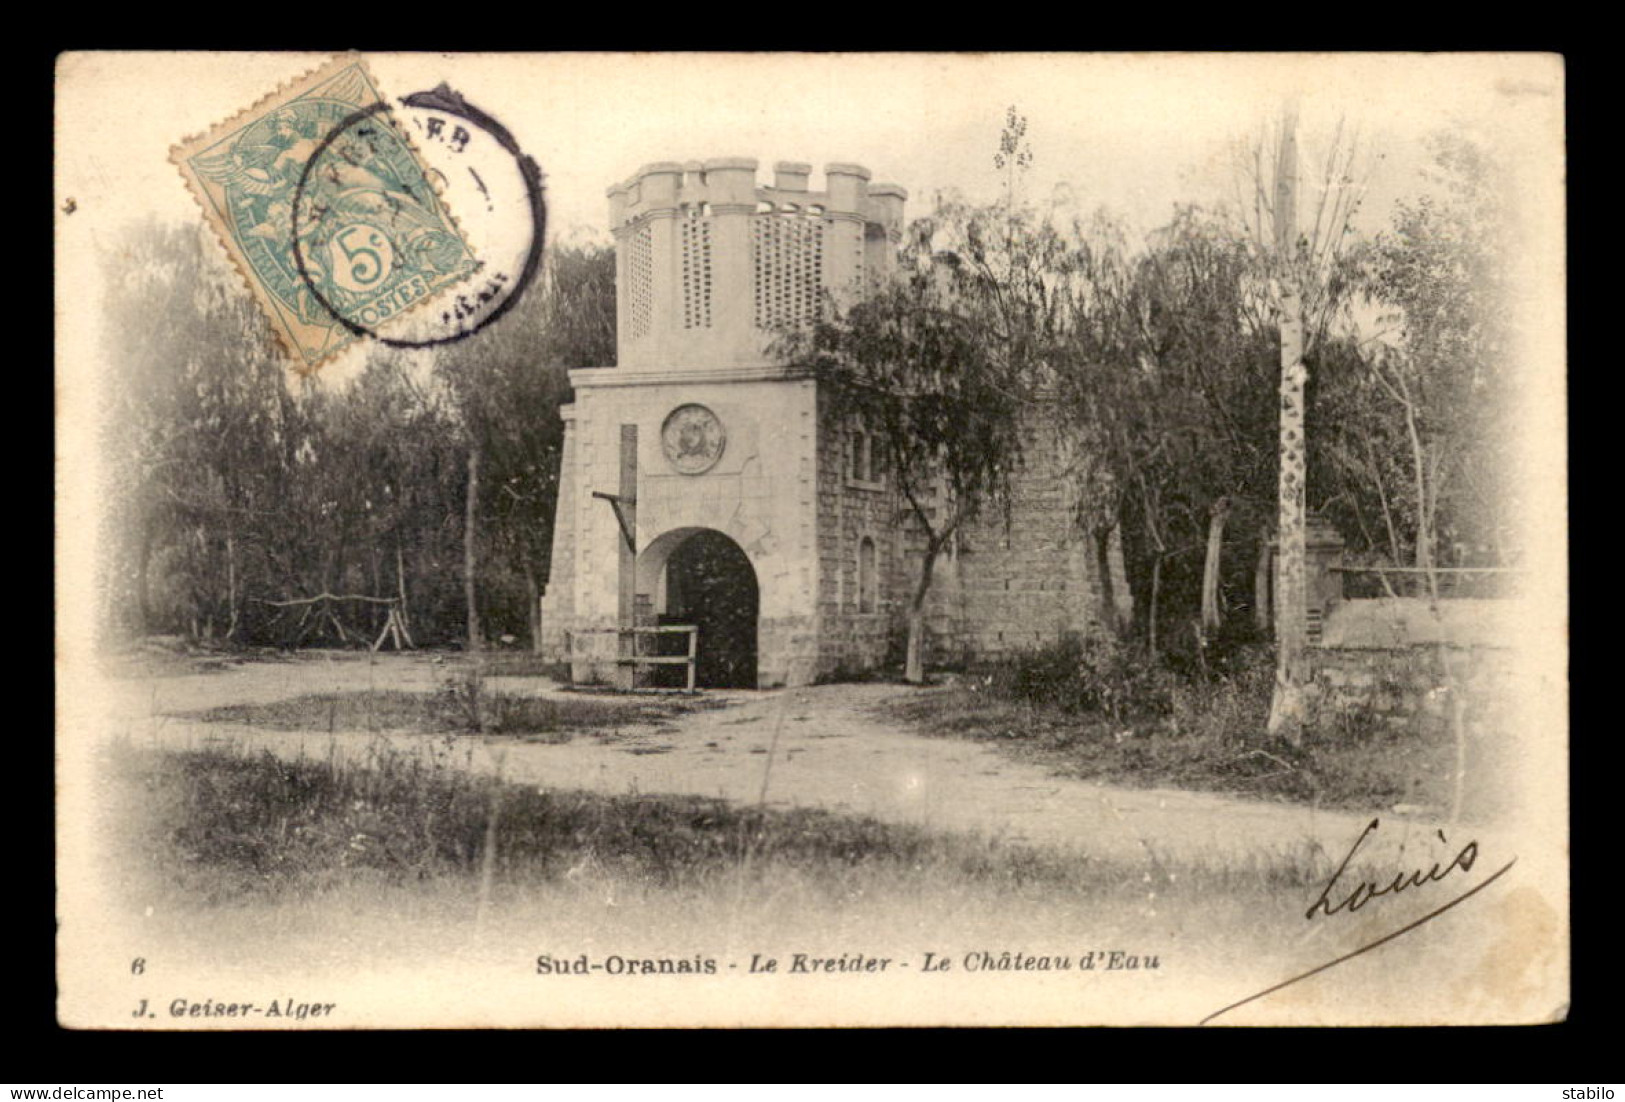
(735, 505)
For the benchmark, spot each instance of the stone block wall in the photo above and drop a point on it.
(1393, 661)
(558, 595)
(996, 589)
(760, 494)
(1026, 582)
(1408, 689)
(850, 511)
(1415, 695)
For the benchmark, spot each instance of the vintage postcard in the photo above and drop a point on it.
(696, 540)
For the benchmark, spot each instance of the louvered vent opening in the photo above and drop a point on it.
(696, 272)
(640, 283)
(788, 257)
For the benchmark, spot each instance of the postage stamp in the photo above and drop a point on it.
(326, 210)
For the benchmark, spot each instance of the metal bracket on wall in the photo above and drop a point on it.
(615, 503)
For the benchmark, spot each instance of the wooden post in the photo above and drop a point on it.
(693, 652)
(627, 509)
(645, 644)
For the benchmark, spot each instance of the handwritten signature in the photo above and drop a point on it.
(1366, 891)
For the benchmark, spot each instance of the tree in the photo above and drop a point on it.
(196, 420)
(1440, 388)
(937, 380)
(1015, 156)
(1089, 396)
(1307, 266)
(386, 475)
(506, 385)
(1172, 379)
(237, 492)
(1291, 602)
(1437, 393)
(944, 365)
(1169, 386)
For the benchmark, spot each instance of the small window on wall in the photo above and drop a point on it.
(868, 575)
(868, 461)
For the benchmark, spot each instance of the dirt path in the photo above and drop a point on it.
(824, 747)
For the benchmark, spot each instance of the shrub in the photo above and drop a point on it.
(1232, 706)
(1084, 675)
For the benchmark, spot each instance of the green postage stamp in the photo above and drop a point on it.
(326, 209)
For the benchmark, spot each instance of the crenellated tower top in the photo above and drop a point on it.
(710, 264)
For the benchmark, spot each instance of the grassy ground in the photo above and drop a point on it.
(1211, 737)
(458, 708)
(403, 874)
(171, 656)
(214, 827)
(523, 664)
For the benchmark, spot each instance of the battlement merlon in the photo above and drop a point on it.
(728, 184)
(884, 206)
(712, 263)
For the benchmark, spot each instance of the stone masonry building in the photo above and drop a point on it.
(703, 483)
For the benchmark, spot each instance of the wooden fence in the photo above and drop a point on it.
(628, 650)
(1452, 582)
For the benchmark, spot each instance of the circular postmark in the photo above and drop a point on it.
(371, 236)
(692, 438)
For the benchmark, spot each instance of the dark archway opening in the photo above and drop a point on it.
(711, 583)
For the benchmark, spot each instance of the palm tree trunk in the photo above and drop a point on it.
(1289, 706)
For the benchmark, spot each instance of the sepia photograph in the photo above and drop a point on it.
(810, 540)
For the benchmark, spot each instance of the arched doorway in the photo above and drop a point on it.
(700, 576)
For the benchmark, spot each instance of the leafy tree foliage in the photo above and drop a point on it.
(1170, 377)
(1424, 420)
(234, 489)
(935, 365)
(197, 429)
(506, 387)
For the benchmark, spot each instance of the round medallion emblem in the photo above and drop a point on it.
(692, 438)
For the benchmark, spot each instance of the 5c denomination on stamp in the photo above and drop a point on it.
(326, 209)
